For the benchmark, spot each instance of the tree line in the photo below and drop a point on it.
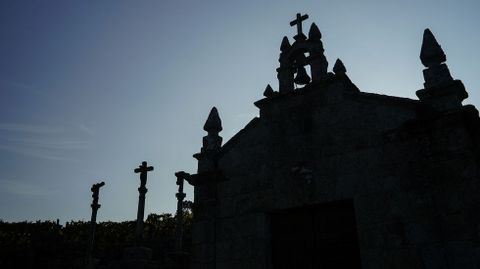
(46, 244)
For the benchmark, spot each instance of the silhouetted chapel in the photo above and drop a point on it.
(329, 176)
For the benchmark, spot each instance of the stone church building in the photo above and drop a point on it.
(329, 176)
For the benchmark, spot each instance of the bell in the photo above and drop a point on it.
(302, 77)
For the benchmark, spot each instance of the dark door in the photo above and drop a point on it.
(321, 236)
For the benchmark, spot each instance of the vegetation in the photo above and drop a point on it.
(45, 244)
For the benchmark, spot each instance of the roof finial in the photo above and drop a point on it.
(285, 44)
(441, 91)
(268, 91)
(432, 56)
(314, 33)
(339, 68)
(213, 123)
(211, 143)
(431, 52)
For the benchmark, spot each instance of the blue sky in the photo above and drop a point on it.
(89, 89)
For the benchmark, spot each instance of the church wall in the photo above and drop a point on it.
(413, 188)
(405, 172)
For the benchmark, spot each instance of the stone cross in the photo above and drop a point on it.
(95, 206)
(142, 169)
(298, 21)
(181, 176)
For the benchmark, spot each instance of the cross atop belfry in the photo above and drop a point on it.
(298, 21)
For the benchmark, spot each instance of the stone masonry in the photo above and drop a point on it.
(410, 167)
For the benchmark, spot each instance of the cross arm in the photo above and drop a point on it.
(299, 19)
(143, 169)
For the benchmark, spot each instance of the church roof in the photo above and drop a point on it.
(321, 84)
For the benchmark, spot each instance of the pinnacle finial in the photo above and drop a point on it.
(431, 52)
(285, 44)
(339, 67)
(268, 91)
(314, 33)
(213, 123)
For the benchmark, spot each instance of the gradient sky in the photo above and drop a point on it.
(89, 89)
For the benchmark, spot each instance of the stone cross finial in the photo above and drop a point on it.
(181, 176)
(95, 191)
(143, 170)
(298, 21)
(93, 220)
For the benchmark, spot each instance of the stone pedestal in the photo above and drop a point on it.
(444, 97)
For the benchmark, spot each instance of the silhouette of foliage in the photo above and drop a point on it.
(44, 244)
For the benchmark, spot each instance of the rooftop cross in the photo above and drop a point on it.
(298, 22)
